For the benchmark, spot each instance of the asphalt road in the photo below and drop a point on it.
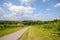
(15, 35)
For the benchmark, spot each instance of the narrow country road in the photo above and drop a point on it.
(15, 35)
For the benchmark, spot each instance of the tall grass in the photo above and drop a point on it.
(49, 31)
(9, 27)
(8, 31)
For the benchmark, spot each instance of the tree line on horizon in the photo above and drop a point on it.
(54, 24)
(10, 24)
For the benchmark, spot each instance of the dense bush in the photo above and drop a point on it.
(10, 24)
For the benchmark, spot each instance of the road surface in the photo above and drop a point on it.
(15, 35)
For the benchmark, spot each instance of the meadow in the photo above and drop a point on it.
(7, 27)
(47, 31)
(40, 30)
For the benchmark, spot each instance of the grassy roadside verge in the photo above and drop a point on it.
(9, 30)
(38, 33)
(24, 36)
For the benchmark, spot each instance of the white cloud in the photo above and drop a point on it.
(9, 15)
(18, 12)
(1, 10)
(27, 2)
(57, 5)
(22, 10)
(44, 0)
(43, 17)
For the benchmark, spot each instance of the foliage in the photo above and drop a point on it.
(7, 27)
(10, 24)
(38, 32)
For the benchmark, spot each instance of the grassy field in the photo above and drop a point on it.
(7, 27)
(8, 31)
(49, 30)
(41, 32)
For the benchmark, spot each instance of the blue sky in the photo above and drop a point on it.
(29, 9)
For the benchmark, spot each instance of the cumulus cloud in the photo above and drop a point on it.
(57, 5)
(27, 2)
(18, 12)
(22, 10)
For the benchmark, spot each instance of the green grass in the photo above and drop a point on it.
(8, 31)
(37, 32)
(24, 37)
